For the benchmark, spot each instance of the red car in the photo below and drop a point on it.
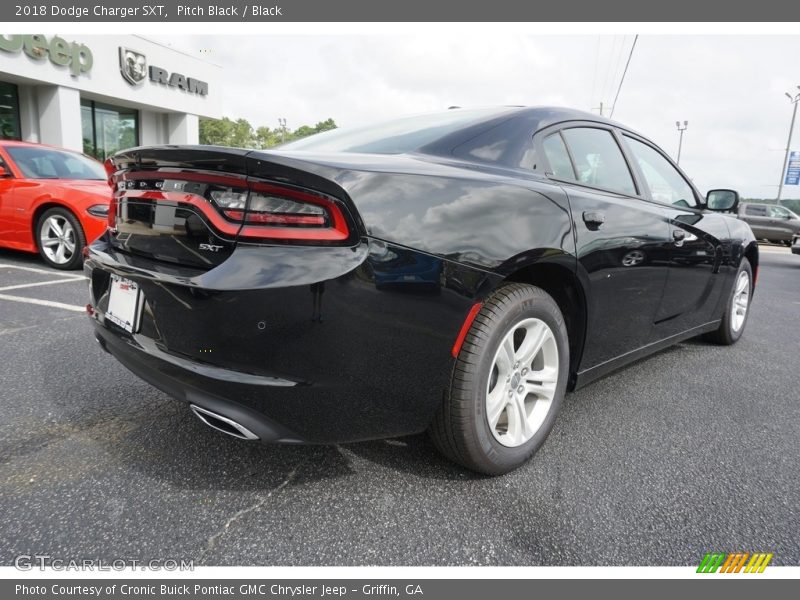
(52, 201)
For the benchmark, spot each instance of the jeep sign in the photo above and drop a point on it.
(77, 57)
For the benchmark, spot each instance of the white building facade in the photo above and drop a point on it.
(99, 94)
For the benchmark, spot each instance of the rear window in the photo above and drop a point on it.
(396, 136)
(49, 163)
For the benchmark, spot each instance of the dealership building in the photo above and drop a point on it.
(99, 94)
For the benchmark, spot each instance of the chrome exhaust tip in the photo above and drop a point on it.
(223, 424)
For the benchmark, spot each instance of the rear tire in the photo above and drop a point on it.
(737, 309)
(60, 239)
(508, 382)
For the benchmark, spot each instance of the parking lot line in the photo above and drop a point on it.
(35, 270)
(38, 283)
(49, 303)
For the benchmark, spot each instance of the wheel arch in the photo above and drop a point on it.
(751, 254)
(564, 286)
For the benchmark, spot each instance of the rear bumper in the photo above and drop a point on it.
(193, 383)
(300, 352)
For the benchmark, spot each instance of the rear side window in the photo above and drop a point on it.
(558, 157)
(598, 159)
(756, 211)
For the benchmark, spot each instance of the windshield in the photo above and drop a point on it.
(48, 163)
(396, 136)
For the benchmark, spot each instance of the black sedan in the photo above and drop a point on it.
(454, 272)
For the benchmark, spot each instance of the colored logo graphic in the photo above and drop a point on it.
(734, 562)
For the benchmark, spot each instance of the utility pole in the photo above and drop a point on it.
(794, 100)
(601, 108)
(282, 123)
(681, 129)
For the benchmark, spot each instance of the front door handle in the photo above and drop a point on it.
(594, 218)
(678, 235)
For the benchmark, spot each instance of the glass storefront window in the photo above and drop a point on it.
(107, 129)
(9, 112)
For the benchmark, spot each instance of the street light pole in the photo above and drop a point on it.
(681, 129)
(282, 123)
(794, 100)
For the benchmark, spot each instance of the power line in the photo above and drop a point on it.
(618, 62)
(621, 81)
(608, 79)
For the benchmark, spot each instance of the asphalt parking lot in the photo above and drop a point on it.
(692, 450)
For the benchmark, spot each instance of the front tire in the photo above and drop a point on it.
(508, 382)
(60, 239)
(737, 308)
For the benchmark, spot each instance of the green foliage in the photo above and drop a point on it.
(240, 133)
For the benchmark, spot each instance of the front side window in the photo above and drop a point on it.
(598, 160)
(778, 212)
(666, 184)
(47, 163)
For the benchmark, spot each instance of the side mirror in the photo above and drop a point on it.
(722, 200)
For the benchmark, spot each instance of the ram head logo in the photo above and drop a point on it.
(133, 65)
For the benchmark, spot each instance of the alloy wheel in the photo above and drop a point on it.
(741, 301)
(522, 382)
(57, 239)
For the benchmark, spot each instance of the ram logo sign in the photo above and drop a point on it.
(133, 66)
(176, 80)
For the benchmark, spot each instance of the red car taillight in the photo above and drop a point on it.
(265, 211)
(278, 212)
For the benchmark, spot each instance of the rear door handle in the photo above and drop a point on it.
(594, 218)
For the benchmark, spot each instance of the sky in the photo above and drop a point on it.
(731, 89)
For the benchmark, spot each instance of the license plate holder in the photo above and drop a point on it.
(124, 303)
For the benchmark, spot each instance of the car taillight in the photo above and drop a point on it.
(277, 212)
(267, 209)
(264, 211)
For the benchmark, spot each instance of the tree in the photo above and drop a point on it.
(266, 137)
(325, 125)
(225, 132)
(240, 134)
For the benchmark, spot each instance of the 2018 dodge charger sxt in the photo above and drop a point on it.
(554, 246)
